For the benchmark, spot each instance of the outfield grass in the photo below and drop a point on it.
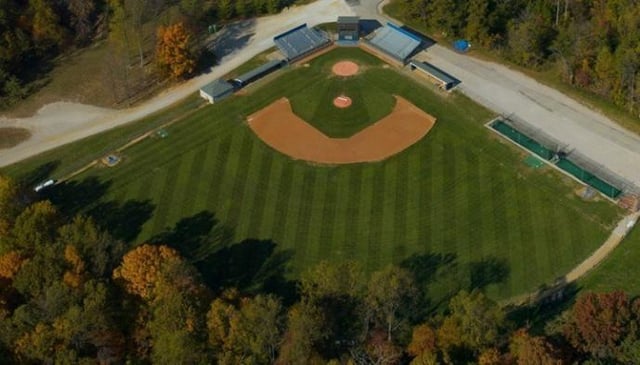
(460, 204)
(617, 272)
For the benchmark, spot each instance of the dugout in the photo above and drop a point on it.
(258, 72)
(348, 28)
(216, 91)
(436, 75)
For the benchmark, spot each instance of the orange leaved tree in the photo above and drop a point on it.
(173, 51)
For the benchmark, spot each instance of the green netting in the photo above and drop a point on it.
(533, 162)
(588, 178)
(522, 139)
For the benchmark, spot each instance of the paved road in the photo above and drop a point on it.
(509, 92)
(61, 123)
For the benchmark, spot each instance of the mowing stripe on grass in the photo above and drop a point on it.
(270, 217)
(234, 168)
(400, 226)
(374, 259)
(260, 194)
(180, 196)
(328, 216)
(219, 169)
(206, 176)
(352, 236)
(291, 218)
(414, 182)
(316, 250)
(282, 203)
(341, 219)
(363, 222)
(527, 254)
(253, 186)
(239, 182)
(388, 217)
(301, 237)
(168, 185)
(449, 218)
(195, 176)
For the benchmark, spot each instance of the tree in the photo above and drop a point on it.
(45, 27)
(390, 298)
(82, 12)
(599, 323)
(423, 340)
(10, 264)
(529, 350)
(529, 38)
(10, 205)
(304, 331)
(142, 267)
(477, 28)
(490, 356)
(474, 321)
(605, 72)
(225, 9)
(173, 51)
(34, 227)
(246, 330)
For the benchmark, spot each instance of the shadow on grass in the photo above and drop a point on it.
(73, 197)
(124, 221)
(39, 174)
(253, 266)
(440, 276)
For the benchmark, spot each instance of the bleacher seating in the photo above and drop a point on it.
(300, 41)
(395, 41)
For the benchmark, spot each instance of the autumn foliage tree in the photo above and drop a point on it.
(142, 267)
(174, 53)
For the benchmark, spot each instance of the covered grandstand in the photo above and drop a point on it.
(301, 41)
(394, 42)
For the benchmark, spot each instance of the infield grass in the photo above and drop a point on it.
(459, 207)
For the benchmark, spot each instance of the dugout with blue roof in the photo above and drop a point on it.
(395, 42)
(301, 41)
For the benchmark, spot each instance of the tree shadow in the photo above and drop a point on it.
(253, 266)
(231, 38)
(73, 197)
(488, 271)
(543, 306)
(124, 221)
(433, 273)
(39, 174)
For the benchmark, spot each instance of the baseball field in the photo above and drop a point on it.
(459, 206)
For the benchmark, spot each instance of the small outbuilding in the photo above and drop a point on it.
(216, 91)
(436, 75)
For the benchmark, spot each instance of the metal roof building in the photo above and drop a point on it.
(216, 91)
(300, 41)
(444, 80)
(258, 72)
(395, 41)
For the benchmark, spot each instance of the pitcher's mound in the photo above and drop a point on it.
(345, 68)
(342, 101)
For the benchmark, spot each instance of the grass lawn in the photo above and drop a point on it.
(459, 207)
(617, 272)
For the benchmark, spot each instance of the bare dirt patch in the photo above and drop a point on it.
(284, 131)
(342, 102)
(345, 68)
(11, 136)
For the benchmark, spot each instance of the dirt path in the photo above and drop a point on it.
(61, 123)
(284, 131)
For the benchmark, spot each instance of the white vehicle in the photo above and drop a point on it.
(44, 185)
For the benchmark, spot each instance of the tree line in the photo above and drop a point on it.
(34, 32)
(72, 293)
(596, 42)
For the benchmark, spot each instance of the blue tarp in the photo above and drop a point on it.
(461, 45)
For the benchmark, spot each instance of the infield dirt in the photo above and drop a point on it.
(289, 134)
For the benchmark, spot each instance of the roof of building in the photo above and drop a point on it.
(300, 40)
(395, 41)
(246, 77)
(434, 71)
(348, 20)
(217, 88)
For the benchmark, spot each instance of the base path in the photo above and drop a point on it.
(286, 132)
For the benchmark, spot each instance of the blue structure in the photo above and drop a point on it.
(443, 79)
(461, 45)
(301, 41)
(395, 42)
(258, 72)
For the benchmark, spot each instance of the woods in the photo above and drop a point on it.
(71, 293)
(594, 43)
